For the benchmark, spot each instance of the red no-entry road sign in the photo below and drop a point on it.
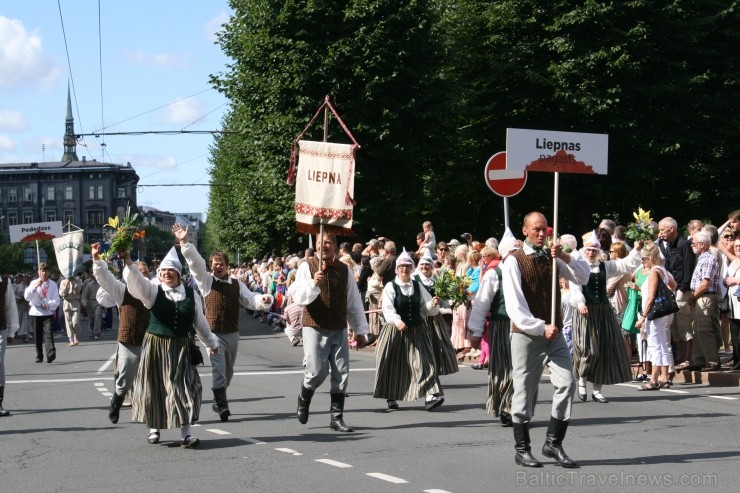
(503, 182)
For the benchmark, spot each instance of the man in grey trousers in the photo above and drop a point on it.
(527, 284)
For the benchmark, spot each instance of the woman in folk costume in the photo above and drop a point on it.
(490, 307)
(404, 358)
(446, 360)
(167, 388)
(598, 350)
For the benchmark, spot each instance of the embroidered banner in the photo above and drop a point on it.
(68, 250)
(324, 187)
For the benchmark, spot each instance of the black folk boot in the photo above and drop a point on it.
(115, 407)
(220, 405)
(3, 412)
(523, 455)
(304, 400)
(337, 414)
(553, 447)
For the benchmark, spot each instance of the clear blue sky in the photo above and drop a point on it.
(132, 66)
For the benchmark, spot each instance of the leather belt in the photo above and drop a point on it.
(517, 330)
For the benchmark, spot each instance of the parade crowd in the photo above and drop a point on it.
(593, 309)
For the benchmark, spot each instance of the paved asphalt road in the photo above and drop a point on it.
(59, 437)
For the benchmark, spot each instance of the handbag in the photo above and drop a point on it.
(196, 357)
(629, 319)
(665, 302)
(724, 303)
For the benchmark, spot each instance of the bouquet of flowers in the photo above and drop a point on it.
(643, 228)
(120, 235)
(452, 288)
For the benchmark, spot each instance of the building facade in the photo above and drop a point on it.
(76, 192)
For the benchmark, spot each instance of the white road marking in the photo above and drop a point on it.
(333, 463)
(252, 440)
(436, 491)
(385, 477)
(107, 394)
(202, 374)
(101, 389)
(723, 397)
(288, 451)
(218, 432)
(99, 384)
(107, 364)
(674, 391)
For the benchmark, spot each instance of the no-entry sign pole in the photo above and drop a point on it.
(502, 181)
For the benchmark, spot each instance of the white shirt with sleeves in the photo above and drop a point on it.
(205, 280)
(428, 309)
(146, 290)
(516, 305)
(304, 292)
(489, 286)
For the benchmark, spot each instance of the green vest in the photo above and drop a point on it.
(498, 305)
(173, 318)
(595, 290)
(408, 307)
(430, 289)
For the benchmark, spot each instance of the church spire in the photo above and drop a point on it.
(70, 141)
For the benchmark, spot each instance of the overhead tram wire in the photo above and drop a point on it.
(69, 65)
(100, 69)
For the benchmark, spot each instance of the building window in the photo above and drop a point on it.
(121, 192)
(68, 215)
(12, 218)
(49, 193)
(51, 216)
(68, 192)
(12, 196)
(91, 192)
(28, 194)
(95, 219)
(27, 217)
(100, 191)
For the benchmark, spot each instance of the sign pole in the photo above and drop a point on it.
(554, 284)
(506, 213)
(38, 255)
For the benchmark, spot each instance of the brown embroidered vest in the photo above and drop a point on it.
(537, 286)
(133, 320)
(4, 283)
(222, 306)
(329, 309)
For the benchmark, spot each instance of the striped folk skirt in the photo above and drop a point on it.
(167, 388)
(444, 353)
(598, 346)
(500, 385)
(404, 364)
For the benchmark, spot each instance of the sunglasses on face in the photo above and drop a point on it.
(443, 249)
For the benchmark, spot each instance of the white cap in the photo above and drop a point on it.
(591, 241)
(426, 259)
(507, 243)
(171, 261)
(404, 259)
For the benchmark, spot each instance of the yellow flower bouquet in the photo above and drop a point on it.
(643, 228)
(120, 234)
(452, 288)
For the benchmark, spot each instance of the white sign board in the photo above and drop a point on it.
(550, 151)
(36, 231)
